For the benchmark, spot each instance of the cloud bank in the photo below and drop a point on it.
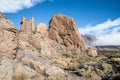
(12, 6)
(107, 33)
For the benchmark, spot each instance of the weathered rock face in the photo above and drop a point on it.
(7, 37)
(27, 34)
(42, 29)
(63, 30)
(34, 53)
(27, 26)
(27, 29)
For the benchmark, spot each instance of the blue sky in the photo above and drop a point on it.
(97, 17)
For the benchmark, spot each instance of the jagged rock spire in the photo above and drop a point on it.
(32, 24)
(23, 20)
(27, 26)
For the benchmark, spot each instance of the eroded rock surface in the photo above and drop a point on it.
(7, 37)
(63, 30)
(38, 53)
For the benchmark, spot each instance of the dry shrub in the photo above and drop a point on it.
(95, 77)
(60, 63)
(20, 75)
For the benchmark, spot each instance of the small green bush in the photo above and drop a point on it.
(66, 55)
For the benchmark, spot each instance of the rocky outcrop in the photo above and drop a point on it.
(27, 35)
(38, 53)
(7, 37)
(27, 29)
(91, 52)
(42, 29)
(63, 30)
(27, 26)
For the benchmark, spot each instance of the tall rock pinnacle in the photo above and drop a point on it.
(63, 30)
(27, 29)
(27, 26)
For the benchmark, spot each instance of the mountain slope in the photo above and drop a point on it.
(38, 53)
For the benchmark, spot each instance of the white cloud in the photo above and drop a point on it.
(107, 33)
(100, 27)
(11, 6)
(109, 39)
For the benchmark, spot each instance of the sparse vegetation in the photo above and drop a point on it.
(116, 77)
(117, 60)
(66, 55)
(20, 75)
(34, 65)
(37, 77)
(84, 58)
(60, 63)
(96, 68)
(95, 77)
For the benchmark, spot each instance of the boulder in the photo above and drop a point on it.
(91, 52)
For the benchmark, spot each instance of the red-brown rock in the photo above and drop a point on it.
(63, 30)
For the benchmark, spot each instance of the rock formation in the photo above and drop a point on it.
(42, 29)
(7, 37)
(37, 52)
(27, 26)
(27, 29)
(63, 30)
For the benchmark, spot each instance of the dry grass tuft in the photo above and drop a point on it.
(60, 63)
(20, 75)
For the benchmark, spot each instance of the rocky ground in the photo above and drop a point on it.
(102, 67)
(56, 53)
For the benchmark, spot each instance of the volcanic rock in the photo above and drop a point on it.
(38, 53)
(63, 30)
(7, 37)
(27, 26)
(91, 51)
(42, 29)
(27, 29)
